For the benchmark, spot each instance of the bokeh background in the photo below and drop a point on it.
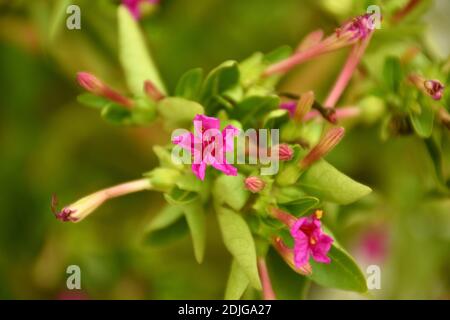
(51, 144)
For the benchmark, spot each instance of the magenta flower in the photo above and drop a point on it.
(134, 6)
(290, 106)
(208, 145)
(310, 241)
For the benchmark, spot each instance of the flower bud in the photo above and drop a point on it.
(328, 142)
(285, 152)
(94, 85)
(254, 184)
(288, 256)
(152, 91)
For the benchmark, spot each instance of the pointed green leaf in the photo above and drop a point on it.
(287, 284)
(180, 197)
(134, 55)
(392, 73)
(189, 85)
(300, 206)
(237, 282)
(93, 101)
(178, 112)
(230, 190)
(168, 225)
(324, 181)
(239, 241)
(253, 108)
(196, 221)
(220, 80)
(342, 273)
(423, 120)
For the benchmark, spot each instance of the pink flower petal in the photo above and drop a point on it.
(301, 250)
(199, 170)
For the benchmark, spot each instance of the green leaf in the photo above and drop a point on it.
(324, 181)
(342, 273)
(163, 179)
(287, 284)
(178, 112)
(435, 152)
(165, 158)
(237, 282)
(93, 101)
(230, 190)
(116, 114)
(278, 55)
(251, 69)
(300, 207)
(392, 73)
(141, 113)
(422, 121)
(134, 56)
(196, 221)
(180, 197)
(189, 85)
(251, 109)
(220, 80)
(170, 224)
(239, 242)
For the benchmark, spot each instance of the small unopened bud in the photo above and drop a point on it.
(94, 85)
(304, 105)
(152, 91)
(91, 83)
(328, 142)
(285, 152)
(434, 88)
(254, 184)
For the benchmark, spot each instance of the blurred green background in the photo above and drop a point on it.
(51, 144)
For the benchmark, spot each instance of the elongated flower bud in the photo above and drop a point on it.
(254, 184)
(94, 85)
(152, 91)
(288, 256)
(328, 142)
(80, 209)
(304, 105)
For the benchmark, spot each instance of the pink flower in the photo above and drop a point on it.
(290, 106)
(310, 241)
(208, 145)
(133, 6)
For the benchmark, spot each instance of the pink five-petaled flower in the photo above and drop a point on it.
(208, 145)
(134, 6)
(310, 240)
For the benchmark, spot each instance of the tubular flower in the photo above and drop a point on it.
(208, 145)
(134, 6)
(351, 32)
(80, 209)
(95, 86)
(326, 144)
